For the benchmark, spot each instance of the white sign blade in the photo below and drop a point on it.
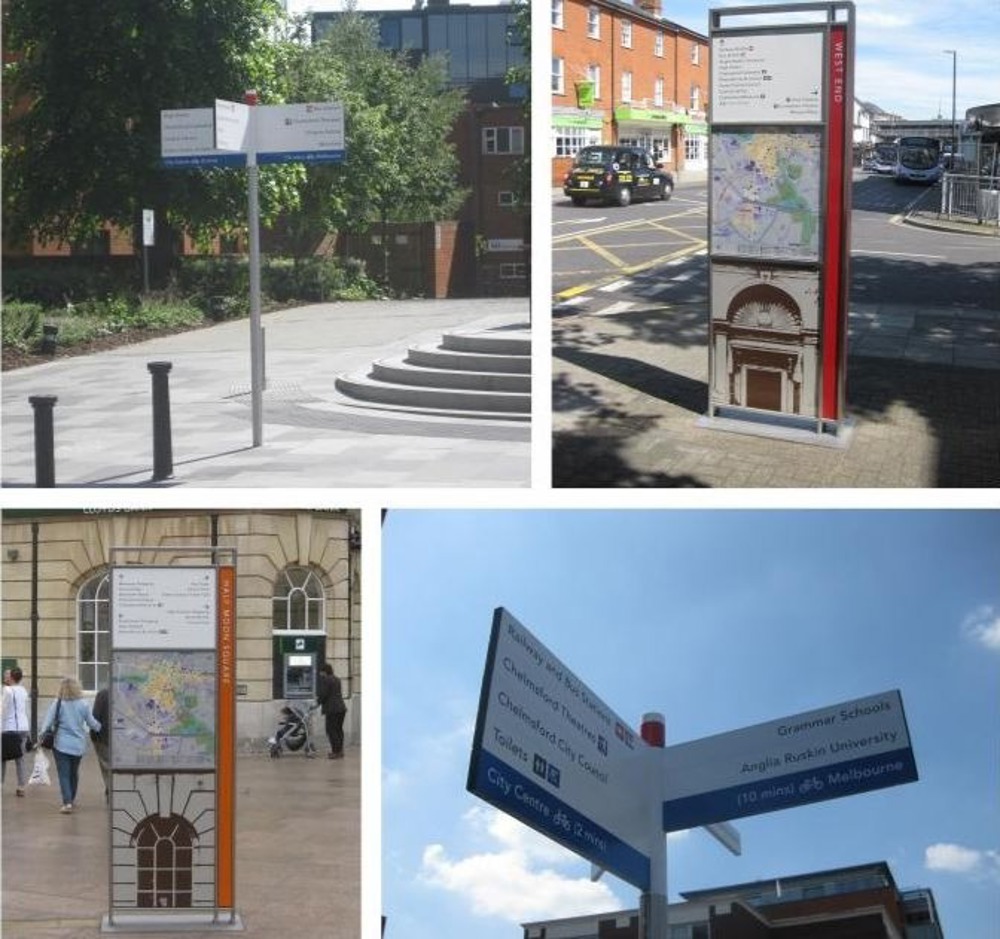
(232, 125)
(727, 836)
(824, 754)
(549, 752)
(163, 607)
(767, 78)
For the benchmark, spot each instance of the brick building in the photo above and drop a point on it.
(298, 586)
(624, 74)
(491, 242)
(860, 902)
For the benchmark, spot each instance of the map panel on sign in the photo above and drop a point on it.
(766, 195)
(163, 710)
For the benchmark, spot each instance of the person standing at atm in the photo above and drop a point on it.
(331, 701)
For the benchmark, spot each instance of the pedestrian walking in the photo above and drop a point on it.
(331, 701)
(99, 738)
(69, 716)
(15, 727)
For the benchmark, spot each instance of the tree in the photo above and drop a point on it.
(83, 95)
(399, 165)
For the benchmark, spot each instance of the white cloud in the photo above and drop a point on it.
(518, 877)
(957, 859)
(983, 625)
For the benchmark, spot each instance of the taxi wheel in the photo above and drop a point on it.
(666, 190)
(578, 200)
(624, 196)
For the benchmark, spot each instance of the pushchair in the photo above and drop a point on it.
(294, 730)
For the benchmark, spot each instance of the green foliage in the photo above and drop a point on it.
(54, 282)
(95, 77)
(21, 325)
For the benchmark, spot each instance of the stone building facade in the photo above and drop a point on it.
(298, 585)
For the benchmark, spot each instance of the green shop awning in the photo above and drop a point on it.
(626, 112)
(577, 120)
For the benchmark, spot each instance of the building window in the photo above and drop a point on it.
(570, 140)
(593, 22)
(513, 271)
(695, 98)
(695, 54)
(501, 140)
(627, 34)
(558, 76)
(506, 198)
(594, 76)
(626, 86)
(93, 633)
(557, 14)
(658, 44)
(299, 600)
(658, 93)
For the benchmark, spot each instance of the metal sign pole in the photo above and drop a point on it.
(256, 346)
(653, 913)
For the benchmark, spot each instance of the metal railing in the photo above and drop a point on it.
(971, 198)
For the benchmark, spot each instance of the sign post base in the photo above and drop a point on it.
(180, 922)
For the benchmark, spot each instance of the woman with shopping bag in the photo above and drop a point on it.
(68, 718)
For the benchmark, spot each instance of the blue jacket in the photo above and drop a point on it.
(74, 718)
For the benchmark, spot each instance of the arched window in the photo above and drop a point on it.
(165, 856)
(299, 600)
(93, 633)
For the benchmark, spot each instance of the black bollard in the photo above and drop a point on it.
(50, 334)
(45, 450)
(163, 450)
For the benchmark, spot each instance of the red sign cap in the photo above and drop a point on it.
(250, 97)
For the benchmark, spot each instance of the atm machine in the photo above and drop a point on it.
(296, 660)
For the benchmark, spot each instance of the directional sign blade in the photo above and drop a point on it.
(550, 753)
(727, 836)
(836, 751)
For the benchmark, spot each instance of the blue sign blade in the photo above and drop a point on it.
(302, 156)
(203, 161)
(783, 792)
(511, 792)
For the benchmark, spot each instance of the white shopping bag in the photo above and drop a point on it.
(40, 771)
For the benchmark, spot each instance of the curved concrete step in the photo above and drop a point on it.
(488, 343)
(405, 373)
(466, 361)
(365, 388)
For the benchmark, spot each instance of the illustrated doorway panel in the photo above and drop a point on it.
(767, 380)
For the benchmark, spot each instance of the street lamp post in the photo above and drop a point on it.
(954, 71)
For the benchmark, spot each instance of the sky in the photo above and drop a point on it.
(719, 619)
(900, 62)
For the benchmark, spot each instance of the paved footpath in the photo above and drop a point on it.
(298, 853)
(923, 388)
(312, 435)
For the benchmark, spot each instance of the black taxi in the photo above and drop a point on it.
(616, 174)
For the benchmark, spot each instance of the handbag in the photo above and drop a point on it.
(48, 738)
(12, 749)
(12, 745)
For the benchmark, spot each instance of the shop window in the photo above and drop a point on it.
(93, 633)
(594, 76)
(557, 14)
(558, 76)
(626, 86)
(299, 601)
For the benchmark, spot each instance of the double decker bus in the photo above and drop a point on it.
(918, 160)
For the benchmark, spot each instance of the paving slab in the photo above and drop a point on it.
(629, 393)
(312, 435)
(298, 853)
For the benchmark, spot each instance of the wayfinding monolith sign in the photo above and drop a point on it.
(548, 751)
(171, 777)
(823, 754)
(779, 214)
